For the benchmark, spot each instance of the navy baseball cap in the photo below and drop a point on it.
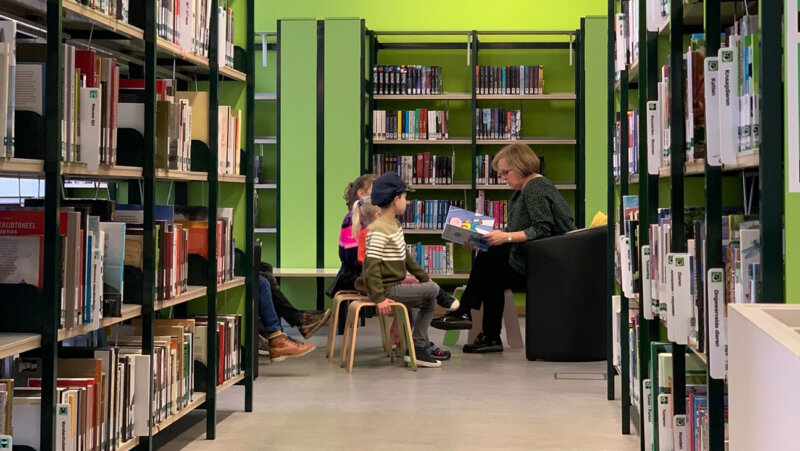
(386, 187)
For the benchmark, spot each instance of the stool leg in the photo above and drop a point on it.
(331, 345)
(386, 346)
(511, 320)
(348, 327)
(353, 340)
(387, 340)
(401, 331)
(406, 326)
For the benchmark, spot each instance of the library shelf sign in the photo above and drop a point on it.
(792, 50)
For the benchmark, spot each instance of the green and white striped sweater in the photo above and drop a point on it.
(387, 260)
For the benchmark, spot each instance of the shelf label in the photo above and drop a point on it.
(717, 324)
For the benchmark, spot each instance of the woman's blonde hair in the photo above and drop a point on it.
(520, 157)
(363, 213)
(351, 192)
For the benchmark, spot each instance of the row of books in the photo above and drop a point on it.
(633, 143)
(194, 127)
(626, 23)
(409, 125)
(419, 169)
(187, 25)
(633, 339)
(722, 111)
(435, 259)
(497, 209)
(662, 429)
(98, 106)
(116, 9)
(486, 175)
(517, 80)
(102, 246)
(736, 103)
(91, 264)
(103, 392)
(680, 288)
(229, 342)
(427, 214)
(407, 80)
(498, 123)
(89, 101)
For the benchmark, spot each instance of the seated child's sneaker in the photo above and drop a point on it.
(424, 358)
(437, 353)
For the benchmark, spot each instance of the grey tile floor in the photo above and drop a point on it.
(494, 402)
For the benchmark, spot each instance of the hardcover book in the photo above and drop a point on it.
(463, 226)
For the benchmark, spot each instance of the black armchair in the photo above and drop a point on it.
(565, 311)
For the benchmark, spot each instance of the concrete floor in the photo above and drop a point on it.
(496, 402)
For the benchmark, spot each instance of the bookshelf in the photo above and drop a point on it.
(557, 138)
(144, 55)
(682, 184)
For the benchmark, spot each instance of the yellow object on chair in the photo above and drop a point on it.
(600, 219)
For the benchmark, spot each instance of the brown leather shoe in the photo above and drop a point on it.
(284, 346)
(312, 321)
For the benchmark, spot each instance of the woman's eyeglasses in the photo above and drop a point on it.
(503, 173)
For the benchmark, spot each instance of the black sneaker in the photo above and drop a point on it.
(438, 353)
(424, 358)
(453, 321)
(484, 344)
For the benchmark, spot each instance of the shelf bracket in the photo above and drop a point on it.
(571, 48)
(263, 50)
(469, 49)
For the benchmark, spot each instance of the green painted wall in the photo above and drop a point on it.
(791, 226)
(596, 100)
(439, 15)
(343, 99)
(298, 146)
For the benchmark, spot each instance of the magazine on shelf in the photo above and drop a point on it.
(463, 225)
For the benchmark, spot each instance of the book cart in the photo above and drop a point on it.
(34, 329)
(674, 185)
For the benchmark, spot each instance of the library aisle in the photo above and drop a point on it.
(472, 402)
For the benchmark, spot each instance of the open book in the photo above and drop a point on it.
(463, 225)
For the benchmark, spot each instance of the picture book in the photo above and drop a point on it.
(463, 225)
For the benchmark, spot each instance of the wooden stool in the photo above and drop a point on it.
(338, 299)
(510, 321)
(351, 330)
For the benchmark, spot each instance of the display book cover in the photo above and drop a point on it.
(463, 225)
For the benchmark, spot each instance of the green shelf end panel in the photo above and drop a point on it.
(298, 143)
(596, 126)
(792, 246)
(343, 136)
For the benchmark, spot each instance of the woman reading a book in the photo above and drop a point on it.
(536, 210)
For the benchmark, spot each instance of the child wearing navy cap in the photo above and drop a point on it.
(387, 262)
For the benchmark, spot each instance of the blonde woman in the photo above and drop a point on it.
(536, 210)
